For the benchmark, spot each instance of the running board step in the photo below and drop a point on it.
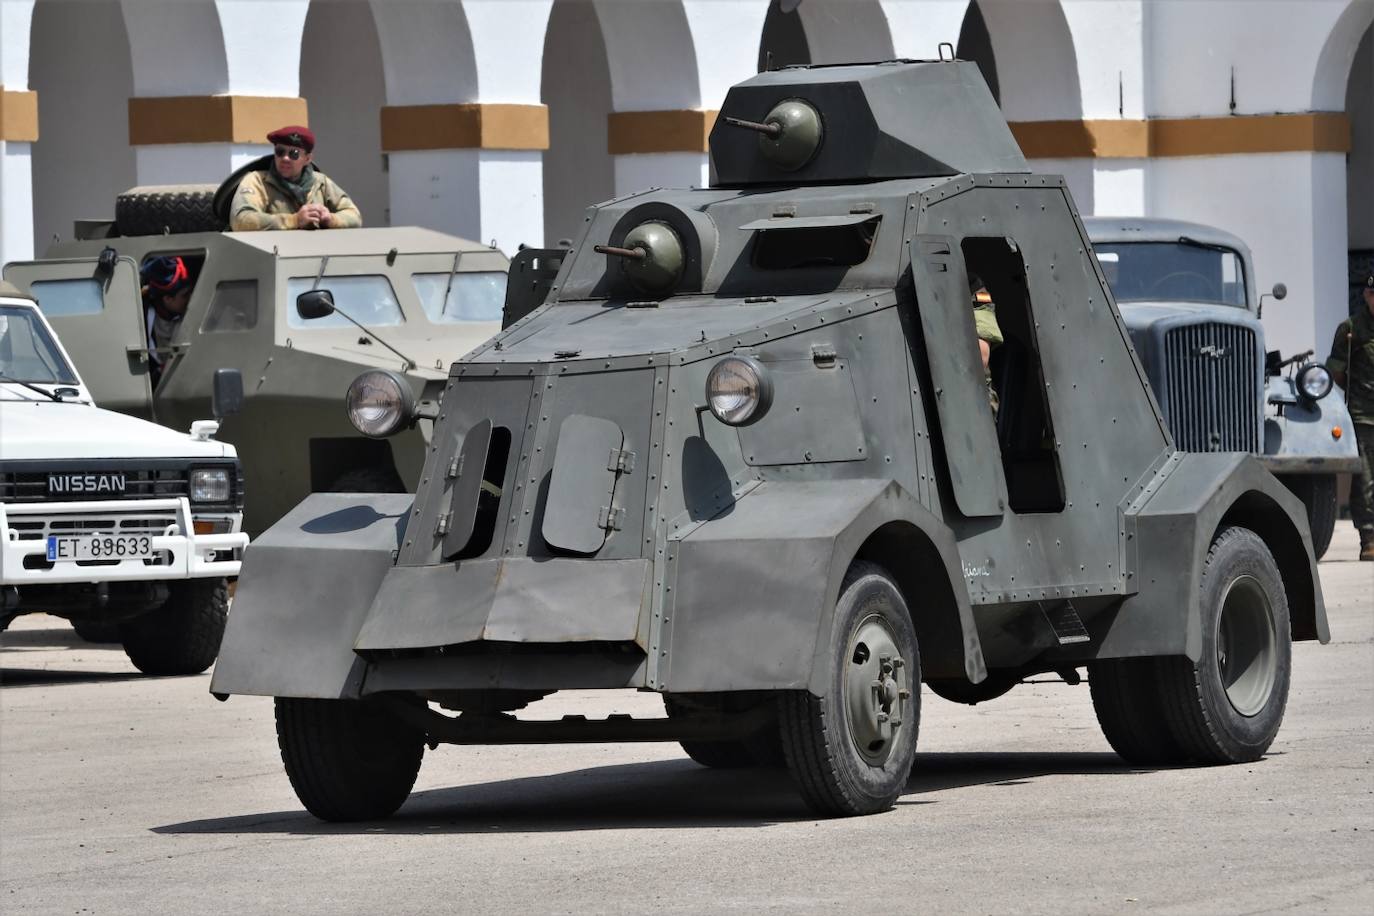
(1064, 621)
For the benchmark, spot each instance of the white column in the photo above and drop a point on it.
(16, 173)
(490, 196)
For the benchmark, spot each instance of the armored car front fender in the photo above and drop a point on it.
(306, 586)
(1197, 496)
(750, 593)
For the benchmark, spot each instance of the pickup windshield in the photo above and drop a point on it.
(27, 351)
(1182, 271)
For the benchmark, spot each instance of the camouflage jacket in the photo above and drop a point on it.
(263, 203)
(1352, 352)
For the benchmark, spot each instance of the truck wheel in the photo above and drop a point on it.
(183, 635)
(763, 749)
(175, 208)
(1318, 495)
(1125, 694)
(1227, 708)
(96, 630)
(851, 750)
(961, 690)
(348, 760)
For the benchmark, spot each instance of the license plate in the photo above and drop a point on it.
(99, 547)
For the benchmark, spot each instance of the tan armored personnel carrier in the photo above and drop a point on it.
(416, 297)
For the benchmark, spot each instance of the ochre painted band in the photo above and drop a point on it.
(683, 131)
(1314, 132)
(211, 119)
(465, 126)
(18, 115)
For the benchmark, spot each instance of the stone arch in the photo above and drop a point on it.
(345, 93)
(176, 48)
(650, 54)
(81, 68)
(1333, 72)
(1359, 164)
(576, 87)
(1034, 59)
(825, 32)
(427, 52)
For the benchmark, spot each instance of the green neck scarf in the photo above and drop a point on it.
(300, 187)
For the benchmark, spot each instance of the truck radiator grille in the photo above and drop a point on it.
(1213, 388)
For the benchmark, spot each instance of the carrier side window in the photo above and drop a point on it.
(234, 307)
(57, 298)
(1025, 430)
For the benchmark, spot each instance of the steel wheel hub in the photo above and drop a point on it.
(875, 689)
(1247, 658)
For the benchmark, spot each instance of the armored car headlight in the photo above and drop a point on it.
(210, 485)
(739, 390)
(380, 403)
(1314, 382)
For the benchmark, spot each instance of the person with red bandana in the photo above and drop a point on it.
(166, 293)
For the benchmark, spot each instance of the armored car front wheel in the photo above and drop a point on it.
(851, 750)
(348, 760)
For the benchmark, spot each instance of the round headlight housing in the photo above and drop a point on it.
(1314, 382)
(380, 403)
(739, 390)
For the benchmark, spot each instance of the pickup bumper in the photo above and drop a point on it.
(180, 553)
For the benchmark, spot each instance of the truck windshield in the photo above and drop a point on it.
(449, 299)
(27, 351)
(1185, 271)
(367, 299)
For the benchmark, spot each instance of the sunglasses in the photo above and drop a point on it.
(285, 152)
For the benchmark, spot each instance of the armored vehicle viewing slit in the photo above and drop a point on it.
(748, 454)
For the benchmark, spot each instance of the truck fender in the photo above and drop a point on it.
(304, 590)
(751, 593)
(1201, 495)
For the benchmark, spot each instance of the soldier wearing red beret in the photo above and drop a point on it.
(292, 193)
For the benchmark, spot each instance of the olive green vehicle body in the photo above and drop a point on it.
(293, 435)
(641, 542)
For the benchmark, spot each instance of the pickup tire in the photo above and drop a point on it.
(348, 760)
(183, 635)
(1318, 495)
(1227, 708)
(96, 630)
(161, 209)
(851, 750)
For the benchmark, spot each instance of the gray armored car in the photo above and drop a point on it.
(1187, 295)
(744, 456)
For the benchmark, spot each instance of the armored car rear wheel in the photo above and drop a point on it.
(183, 635)
(851, 750)
(348, 760)
(1227, 707)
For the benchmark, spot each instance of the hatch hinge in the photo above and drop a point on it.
(823, 355)
(455, 467)
(441, 527)
(610, 518)
(622, 461)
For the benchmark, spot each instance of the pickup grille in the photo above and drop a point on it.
(1213, 388)
(27, 481)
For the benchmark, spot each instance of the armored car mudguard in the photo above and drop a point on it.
(746, 455)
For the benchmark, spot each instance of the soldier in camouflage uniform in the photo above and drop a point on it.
(1352, 366)
(292, 193)
(987, 329)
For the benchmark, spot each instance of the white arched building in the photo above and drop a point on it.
(501, 119)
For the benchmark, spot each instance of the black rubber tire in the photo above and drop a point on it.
(96, 630)
(183, 635)
(368, 480)
(763, 749)
(1318, 495)
(960, 690)
(1202, 717)
(163, 209)
(834, 778)
(348, 760)
(1126, 698)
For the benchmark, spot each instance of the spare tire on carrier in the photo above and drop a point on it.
(167, 209)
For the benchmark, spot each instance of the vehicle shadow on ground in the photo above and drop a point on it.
(666, 793)
(47, 677)
(48, 638)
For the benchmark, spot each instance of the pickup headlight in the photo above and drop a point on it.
(210, 485)
(1314, 382)
(739, 390)
(380, 403)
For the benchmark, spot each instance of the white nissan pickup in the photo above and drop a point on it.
(112, 522)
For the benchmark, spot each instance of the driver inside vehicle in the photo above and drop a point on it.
(167, 286)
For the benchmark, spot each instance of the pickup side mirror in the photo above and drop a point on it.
(315, 303)
(226, 398)
(1280, 291)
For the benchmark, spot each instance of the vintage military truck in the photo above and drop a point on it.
(1187, 294)
(744, 456)
(420, 297)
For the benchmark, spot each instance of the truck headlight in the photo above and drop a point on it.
(1314, 382)
(210, 485)
(380, 403)
(739, 390)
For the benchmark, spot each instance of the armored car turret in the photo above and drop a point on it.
(745, 450)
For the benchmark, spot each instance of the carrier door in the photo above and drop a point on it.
(97, 311)
(956, 369)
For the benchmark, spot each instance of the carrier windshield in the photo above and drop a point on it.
(28, 352)
(1185, 270)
